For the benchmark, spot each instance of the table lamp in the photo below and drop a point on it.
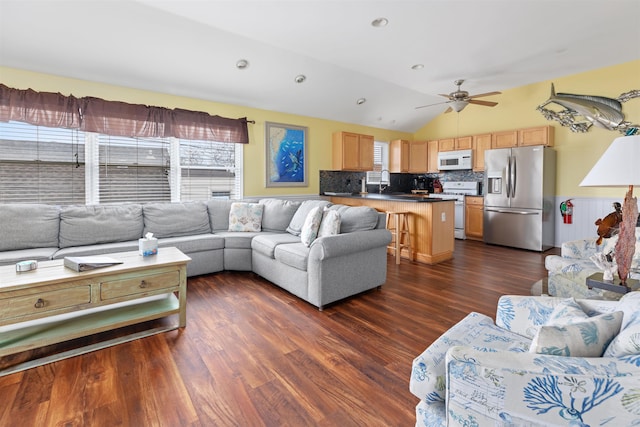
(619, 166)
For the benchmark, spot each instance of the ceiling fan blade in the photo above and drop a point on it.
(448, 110)
(485, 103)
(485, 94)
(431, 105)
(446, 96)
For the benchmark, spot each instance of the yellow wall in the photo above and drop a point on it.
(576, 152)
(318, 137)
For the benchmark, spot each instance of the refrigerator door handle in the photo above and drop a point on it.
(508, 177)
(507, 211)
(514, 172)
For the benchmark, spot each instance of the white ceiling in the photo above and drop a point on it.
(190, 48)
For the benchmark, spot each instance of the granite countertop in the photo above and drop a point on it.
(399, 197)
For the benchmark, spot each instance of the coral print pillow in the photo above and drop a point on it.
(245, 217)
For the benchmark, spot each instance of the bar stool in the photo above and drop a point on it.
(400, 236)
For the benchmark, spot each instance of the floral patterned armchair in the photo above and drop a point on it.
(481, 373)
(568, 272)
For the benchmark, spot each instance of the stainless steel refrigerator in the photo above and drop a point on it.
(519, 187)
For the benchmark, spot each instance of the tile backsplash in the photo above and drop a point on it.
(350, 182)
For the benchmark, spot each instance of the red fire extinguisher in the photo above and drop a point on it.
(566, 209)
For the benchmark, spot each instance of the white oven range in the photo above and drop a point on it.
(457, 190)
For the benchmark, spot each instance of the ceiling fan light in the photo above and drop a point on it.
(458, 106)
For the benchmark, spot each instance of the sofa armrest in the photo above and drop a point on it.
(522, 314)
(507, 388)
(348, 243)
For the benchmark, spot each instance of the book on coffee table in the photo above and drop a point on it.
(84, 263)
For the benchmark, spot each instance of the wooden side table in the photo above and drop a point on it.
(596, 280)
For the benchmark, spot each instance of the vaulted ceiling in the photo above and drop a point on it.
(191, 48)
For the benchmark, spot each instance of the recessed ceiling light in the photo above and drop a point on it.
(300, 78)
(242, 64)
(361, 101)
(379, 22)
(417, 67)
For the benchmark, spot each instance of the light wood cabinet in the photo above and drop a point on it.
(542, 135)
(473, 217)
(418, 156)
(505, 139)
(481, 143)
(451, 144)
(432, 156)
(352, 151)
(399, 156)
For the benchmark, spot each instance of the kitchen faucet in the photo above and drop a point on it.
(380, 189)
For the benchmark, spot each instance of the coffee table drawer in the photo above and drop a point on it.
(139, 285)
(44, 302)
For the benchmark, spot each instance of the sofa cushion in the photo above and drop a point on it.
(195, 243)
(309, 231)
(292, 254)
(588, 338)
(627, 342)
(330, 224)
(356, 218)
(567, 312)
(278, 213)
(238, 239)
(245, 216)
(176, 219)
(37, 254)
(265, 243)
(90, 225)
(25, 226)
(100, 249)
(296, 223)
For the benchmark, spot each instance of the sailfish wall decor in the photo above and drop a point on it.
(600, 111)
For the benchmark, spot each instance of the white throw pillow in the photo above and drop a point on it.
(588, 338)
(330, 224)
(311, 225)
(245, 217)
(627, 342)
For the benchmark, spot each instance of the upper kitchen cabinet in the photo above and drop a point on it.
(399, 156)
(418, 156)
(352, 151)
(451, 144)
(481, 143)
(432, 156)
(536, 136)
(542, 135)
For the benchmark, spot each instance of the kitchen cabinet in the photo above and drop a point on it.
(451, 144)
(352, 151)
(399, 156)
(481, 143)
(473, 217)
(432, 156)
(542, 135)
(418, 156)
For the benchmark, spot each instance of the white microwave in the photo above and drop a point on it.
(454, 160)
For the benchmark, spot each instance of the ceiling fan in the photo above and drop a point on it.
(461, 98)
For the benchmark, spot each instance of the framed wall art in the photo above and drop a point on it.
(286, 155)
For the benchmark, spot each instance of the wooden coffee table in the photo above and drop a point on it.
(54, 304)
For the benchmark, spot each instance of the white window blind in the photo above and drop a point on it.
(41, 165)
(380, 163)
(208, 170)
(133, 169)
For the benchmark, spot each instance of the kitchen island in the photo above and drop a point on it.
(430, 221)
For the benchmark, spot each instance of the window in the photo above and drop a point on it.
(41, 165)
(380, 164)
(63, 166)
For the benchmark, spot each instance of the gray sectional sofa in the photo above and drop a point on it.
(331, 268)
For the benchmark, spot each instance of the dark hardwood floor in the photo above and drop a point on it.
(254, 355)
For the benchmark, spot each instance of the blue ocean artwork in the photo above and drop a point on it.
(289, 157)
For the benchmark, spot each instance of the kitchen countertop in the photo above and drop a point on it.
(399, 197)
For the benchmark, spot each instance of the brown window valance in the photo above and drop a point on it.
(116, 118)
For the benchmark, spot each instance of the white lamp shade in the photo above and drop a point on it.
(458, 106)
(619, 166)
